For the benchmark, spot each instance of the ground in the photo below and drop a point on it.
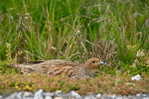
(115, 30)
(120, 83)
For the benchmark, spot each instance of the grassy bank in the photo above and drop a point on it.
(106, 84)
(115, 30)
(75, 30)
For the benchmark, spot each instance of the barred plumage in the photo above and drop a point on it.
(58, 67)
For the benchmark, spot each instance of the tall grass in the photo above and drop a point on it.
(44, 29)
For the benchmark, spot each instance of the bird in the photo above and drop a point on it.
(56, 67)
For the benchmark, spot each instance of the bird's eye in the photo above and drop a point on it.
(93, 61)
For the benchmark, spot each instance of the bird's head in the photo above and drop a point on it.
(94, 63)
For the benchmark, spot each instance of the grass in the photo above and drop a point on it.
(120, 84)
(115, 30)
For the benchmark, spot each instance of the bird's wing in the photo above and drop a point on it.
(54, 67)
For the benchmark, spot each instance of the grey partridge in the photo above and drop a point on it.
(57, 67)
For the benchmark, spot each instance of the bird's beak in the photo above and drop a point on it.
(102, 63)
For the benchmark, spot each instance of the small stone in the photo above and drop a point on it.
(48, 97)
(105, 97)
(48, 94)
(90, 97)
(144, 95)
(1, 96)
(98, 96)
(118, 97)
(15, 96)
(58, 97)
(73, 93)
(58, 93)
(39, 94)
(20, 95)
(113, 96)
(138, 94)
(26, 94)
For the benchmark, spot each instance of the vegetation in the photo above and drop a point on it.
(120, 84)
(115, 30)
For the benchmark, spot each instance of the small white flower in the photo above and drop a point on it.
(136, 77)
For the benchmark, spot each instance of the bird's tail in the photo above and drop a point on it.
(13, 65)
(22, 67)
(17, 65)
